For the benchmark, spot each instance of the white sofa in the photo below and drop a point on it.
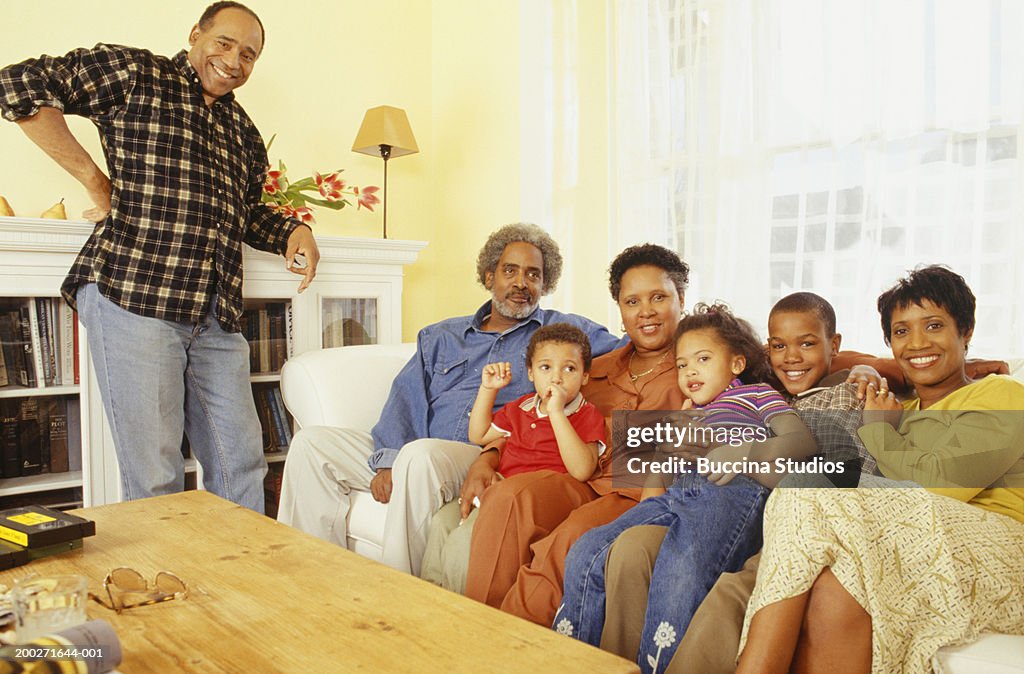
(314, 388)
(316, 391)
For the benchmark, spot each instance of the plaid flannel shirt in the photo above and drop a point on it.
(832, 413)
(186, 179)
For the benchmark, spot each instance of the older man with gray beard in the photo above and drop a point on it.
(417, 455)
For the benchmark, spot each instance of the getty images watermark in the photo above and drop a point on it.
(667, 443)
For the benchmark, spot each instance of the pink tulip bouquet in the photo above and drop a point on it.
(326, 189)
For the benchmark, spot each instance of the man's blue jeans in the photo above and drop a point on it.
(711, 530)
(159, 378)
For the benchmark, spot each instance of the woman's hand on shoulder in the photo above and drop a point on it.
(862, 376)
(880, 405)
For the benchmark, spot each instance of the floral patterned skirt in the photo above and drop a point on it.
(931, 571)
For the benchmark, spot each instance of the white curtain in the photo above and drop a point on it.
(824, 145)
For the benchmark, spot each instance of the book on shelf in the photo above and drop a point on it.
(264, 339)
(286, 419)
(10, 343)
(266, 419)
(74, 325)
(66, 338)
(10, 453)
(29, 437)
(35, 335)
(272, 488)
(74, 412)
(278, 339)
(50, 318)
(4, 377)
(36, 526)
(25, 328)
(44, 315)
(289, 329)
(277, 418)
(53, 421)
(43, 412)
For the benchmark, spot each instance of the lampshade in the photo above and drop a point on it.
(385, 125)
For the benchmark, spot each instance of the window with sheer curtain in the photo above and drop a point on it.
(824, 145)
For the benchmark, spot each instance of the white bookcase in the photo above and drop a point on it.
(356, 298)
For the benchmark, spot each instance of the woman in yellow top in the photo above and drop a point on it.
(879, 579)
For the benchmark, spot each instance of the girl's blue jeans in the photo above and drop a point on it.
(711, 530)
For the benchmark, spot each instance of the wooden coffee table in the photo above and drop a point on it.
(266, 597)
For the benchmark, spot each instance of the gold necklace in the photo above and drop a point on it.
(629, 367)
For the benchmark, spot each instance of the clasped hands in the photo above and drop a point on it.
(881, 405)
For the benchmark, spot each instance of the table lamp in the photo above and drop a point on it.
(385, 133)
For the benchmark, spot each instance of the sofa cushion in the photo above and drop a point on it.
(991, 654)
(344, 386)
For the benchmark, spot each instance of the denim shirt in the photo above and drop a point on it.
(433, 394)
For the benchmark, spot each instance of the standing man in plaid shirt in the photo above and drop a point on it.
(158, 284)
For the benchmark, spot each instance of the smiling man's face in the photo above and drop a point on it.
(225, 52)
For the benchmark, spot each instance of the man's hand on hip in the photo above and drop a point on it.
(99, 194)
(380, 485)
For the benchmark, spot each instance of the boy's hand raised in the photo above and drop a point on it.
(496, 376)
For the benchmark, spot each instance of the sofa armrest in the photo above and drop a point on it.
(344, 386)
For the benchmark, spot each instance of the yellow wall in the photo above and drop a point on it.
(453, 65)
(476, 139)
(589, 240)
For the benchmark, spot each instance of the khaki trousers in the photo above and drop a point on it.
(446, 560)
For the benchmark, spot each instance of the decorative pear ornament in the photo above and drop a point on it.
(55, 212)
(5, 208)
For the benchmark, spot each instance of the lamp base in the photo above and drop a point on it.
(386, 156)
